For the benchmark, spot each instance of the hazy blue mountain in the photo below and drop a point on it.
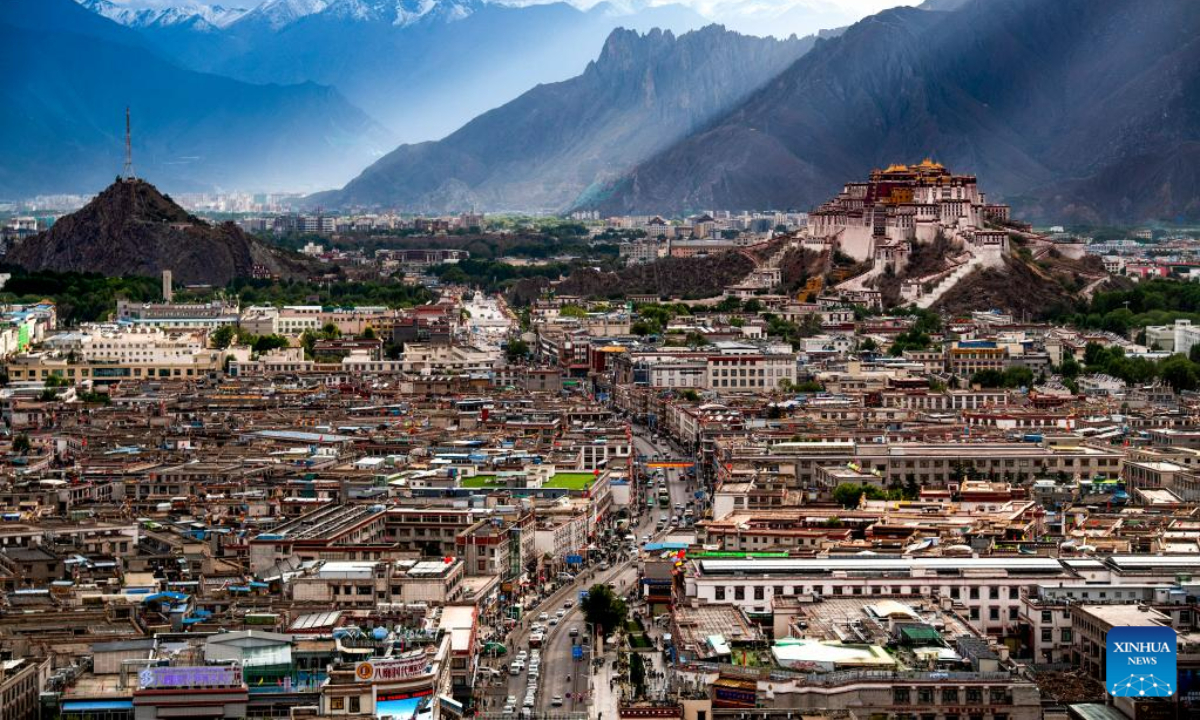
(1075, 109)
(422, 68)
(66, 90)
(543, 149)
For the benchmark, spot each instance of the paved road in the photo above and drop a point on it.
(556, 655)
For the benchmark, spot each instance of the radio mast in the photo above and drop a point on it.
(128, 172)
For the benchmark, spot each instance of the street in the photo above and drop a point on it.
(557, 663)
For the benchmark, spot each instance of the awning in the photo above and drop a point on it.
(93, 705)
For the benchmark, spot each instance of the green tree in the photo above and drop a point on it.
(1070, 367)
(368, 333)
(988, 378)
(1178, 372)
(308, 340)
(222, 336)
(572, 311)
(329, 331)
(641, 328)
(729, 304)
(637, 674)
(1017, 377)
(752, 306)
(265, 343)
(848, 494)
(21, 444)
(603, 609)
(516, 349)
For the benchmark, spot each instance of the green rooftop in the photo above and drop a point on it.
(576, 481)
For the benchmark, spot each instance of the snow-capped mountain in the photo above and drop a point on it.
(278, 14)
(197, 16)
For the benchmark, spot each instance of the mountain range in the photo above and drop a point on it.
(420, 68)
(1075, 110)
(203, 18)
(133, 229)
(545, 148)
(71, 73)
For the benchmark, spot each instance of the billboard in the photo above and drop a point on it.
(190, 677)
(391, 669)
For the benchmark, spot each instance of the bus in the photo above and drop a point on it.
(664, 497)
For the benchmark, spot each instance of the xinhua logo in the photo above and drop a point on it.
(1140, 662)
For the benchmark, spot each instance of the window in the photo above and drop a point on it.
(337, 703)
(354, 707)
(994, 613)
(974, 696)
(1047, 635)
(949, 695)
(739, 592)
(1066, 635)
(925, 696)
(758, 592)
(974, 593)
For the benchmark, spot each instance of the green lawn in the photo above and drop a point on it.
(570, 480)
(561, 481)
(478, 481)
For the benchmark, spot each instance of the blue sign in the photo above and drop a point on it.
(582, 595)
(577, 651)
(574, 559)
(1140, 661)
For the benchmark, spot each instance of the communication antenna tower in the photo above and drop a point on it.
(128, 172)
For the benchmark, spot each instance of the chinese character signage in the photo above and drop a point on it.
(189, 677)
(390, 669)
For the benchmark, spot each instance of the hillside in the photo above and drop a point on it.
(540, 151)
(687, 278)
(133, 229)
(1011, 90)
(1028, 288)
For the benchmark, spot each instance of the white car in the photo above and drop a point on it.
(553, 621)
(556, 700)
(543, 617)
(511, 700)
(560, 614)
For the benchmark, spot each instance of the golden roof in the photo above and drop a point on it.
(896, 168)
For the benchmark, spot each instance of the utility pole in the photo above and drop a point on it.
(128, 172)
